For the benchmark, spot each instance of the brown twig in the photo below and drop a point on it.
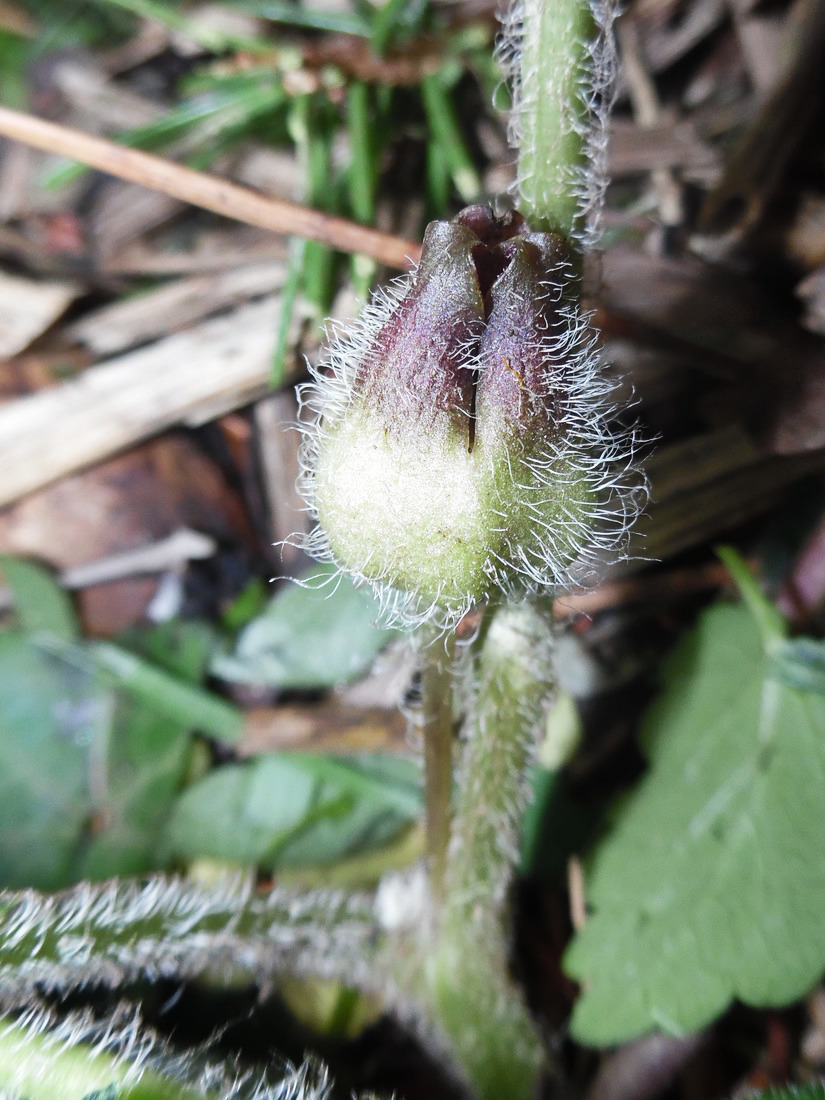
(209, 192)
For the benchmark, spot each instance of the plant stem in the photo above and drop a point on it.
(174, 928)
(42, 1067)
(437, 657)
(476, 1002)
(553, 113)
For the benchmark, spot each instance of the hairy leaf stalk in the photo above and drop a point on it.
(113, 932)
(44, 1067)
(560, 59)
(475, 1000)
(115, 1056)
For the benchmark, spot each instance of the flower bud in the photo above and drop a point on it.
(460, 443)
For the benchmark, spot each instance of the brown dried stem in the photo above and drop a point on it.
(209, 192)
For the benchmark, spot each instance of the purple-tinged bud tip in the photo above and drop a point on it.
(463, 442)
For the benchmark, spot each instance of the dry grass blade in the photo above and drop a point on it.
(209, 192)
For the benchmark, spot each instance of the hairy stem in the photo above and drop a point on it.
(40, 1066)
(554, 81)
(476, 1002)
(437, 656)
(114, 932)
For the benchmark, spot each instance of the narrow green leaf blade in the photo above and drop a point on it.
(192, 706)
(771, 624)
(447, 136)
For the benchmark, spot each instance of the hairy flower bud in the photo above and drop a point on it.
(460, 442)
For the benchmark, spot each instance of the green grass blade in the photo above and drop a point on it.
(447, 138)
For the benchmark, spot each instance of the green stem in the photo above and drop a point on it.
(476, 1002)
(43, 1067)
(556, 64)
(437, 657)
(177, 929)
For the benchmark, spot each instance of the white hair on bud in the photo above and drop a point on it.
(561, 508)
(585, 478)
(326, 400)
(596, 94)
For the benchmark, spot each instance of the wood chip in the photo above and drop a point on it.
(328, 727)
(177, 549)
(760, 33)
(124, 212)
(666, 41)
(806, 236)
(812, 293)
(101, 105)
(645, 1068)
(634, 150)
(214, 250)
(170, 308)
(173, 552)
(704, 505)
(28, 308)
(763, 153)
(190, 377)
(277, 446)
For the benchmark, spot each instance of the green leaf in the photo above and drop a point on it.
(192, 706)
(249, 602)
(801, 664)
(87, 773)
(808, 1092)
(446, 134)
(180, 646)
(168, 15)
(363, 169)
(90, 763)
(295, 810)
(158, 706)
(146, 764)
(308, 638)
(384, 25)
(773, 627)
(709, 887)
(55, 723)
(40, 602)
(279, 11)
